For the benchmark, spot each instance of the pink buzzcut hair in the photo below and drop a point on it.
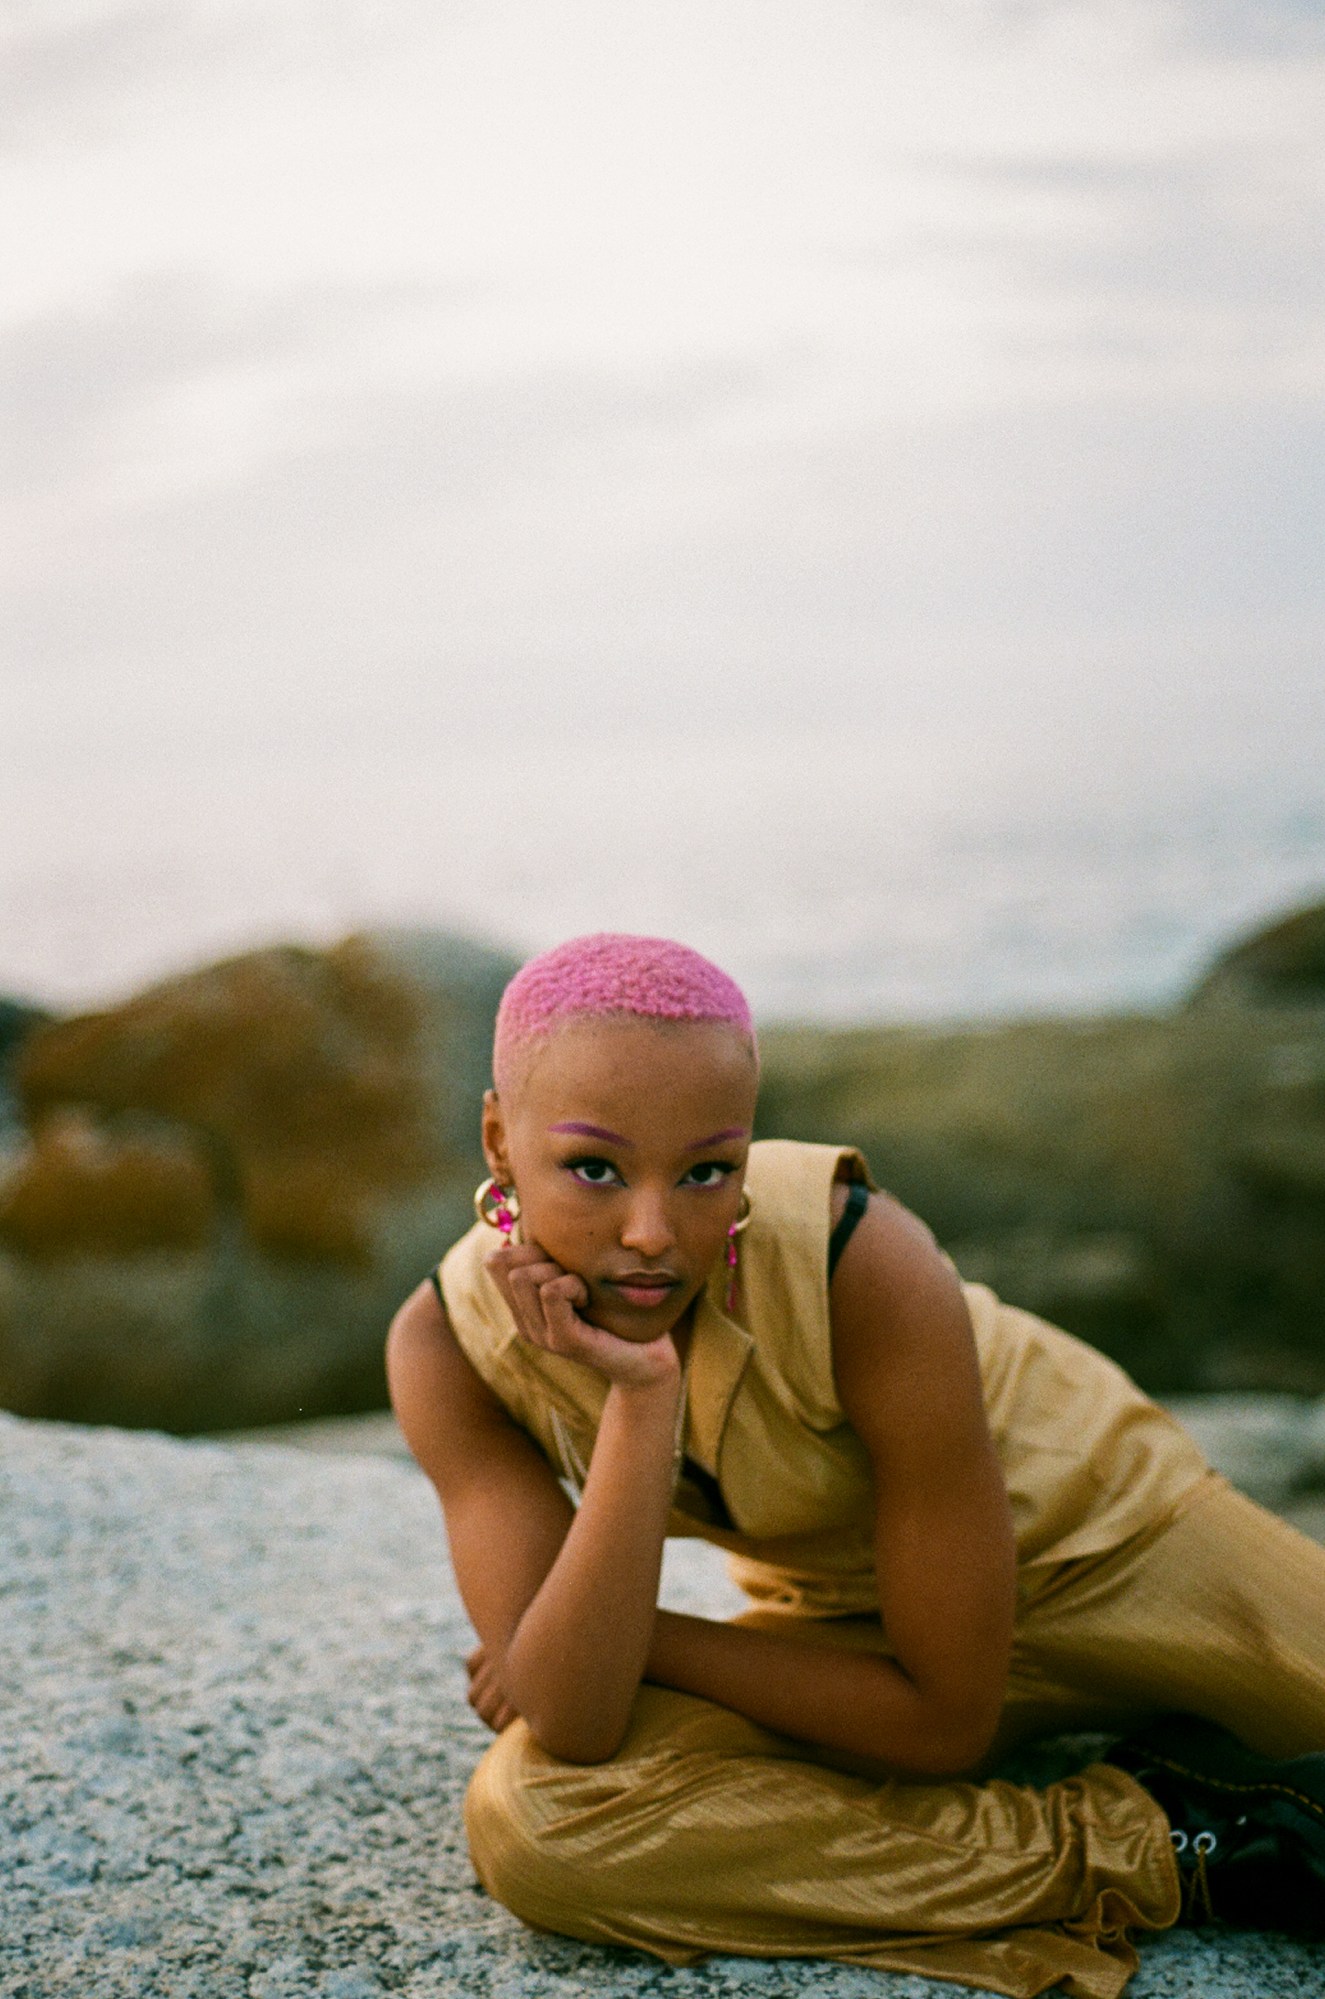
(611, 974)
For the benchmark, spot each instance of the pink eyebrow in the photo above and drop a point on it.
(594, 1131)
(718, 1138)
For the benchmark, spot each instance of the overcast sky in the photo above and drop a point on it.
(387, 379)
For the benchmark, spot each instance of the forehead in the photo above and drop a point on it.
(622, 1073)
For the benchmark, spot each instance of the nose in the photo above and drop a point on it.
(648, 1228)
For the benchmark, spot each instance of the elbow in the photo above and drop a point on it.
(958, 1752)
(961, 1742)
(571, 1744)
(949, 1742)
(559, 1727)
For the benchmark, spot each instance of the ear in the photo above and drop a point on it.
(494, 1138)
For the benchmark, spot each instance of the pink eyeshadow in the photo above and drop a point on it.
(594, 1131)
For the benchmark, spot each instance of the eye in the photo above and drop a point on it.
(594, 1172)
(708, 1173)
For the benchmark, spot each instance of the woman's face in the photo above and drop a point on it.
(626, 1141)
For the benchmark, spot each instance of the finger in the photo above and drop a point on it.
(531, 1277)
(474, 1659)
(526, 1298)
(519, 1287)
(489, 1687)
(576, 1290)
(533, 1291)
(492, 1708)
(511, 1255)
(508, 1276)
(558, 1300)
(515, 1262)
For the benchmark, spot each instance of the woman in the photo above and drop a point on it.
(959, 1527)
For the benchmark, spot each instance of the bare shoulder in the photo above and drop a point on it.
(444, 1407)
(902, 1338)
(891, 1260)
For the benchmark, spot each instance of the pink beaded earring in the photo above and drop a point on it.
(498, 1206)
(742, 1221)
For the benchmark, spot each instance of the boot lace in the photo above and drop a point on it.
(1194, 1855)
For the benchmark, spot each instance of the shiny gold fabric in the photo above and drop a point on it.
(707, 1833)
(1144, 1583)
(1088, 1460)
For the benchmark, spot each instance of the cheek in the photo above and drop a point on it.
(558, 1214)
(706, 1238)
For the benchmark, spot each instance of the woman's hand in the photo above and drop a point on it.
(547, 1302)
(485, 1694)
(572, 1666)
(563, 1601)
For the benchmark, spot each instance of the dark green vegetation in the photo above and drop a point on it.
(217, 1193)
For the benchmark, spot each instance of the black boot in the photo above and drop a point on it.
(1248, 1832)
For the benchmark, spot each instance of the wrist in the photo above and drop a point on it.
(662, 1392)
(666, 1641)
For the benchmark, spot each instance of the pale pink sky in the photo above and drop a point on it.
(917, 395)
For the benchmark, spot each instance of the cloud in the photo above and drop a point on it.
(1279, 29)
(252, 486)
(606, 345)
(78, 71)
(70, 66)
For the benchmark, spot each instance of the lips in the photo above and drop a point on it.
(643, 1289)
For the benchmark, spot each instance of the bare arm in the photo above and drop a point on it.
(563, 1601)
(907, 1375)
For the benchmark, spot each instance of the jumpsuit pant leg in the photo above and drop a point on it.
(1220, 1612)
(707, 1833)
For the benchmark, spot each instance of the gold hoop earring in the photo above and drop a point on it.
(498, 1206)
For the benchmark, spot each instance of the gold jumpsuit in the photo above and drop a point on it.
(1144, 1583)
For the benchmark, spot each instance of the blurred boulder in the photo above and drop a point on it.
(1279, 965)
(219, 1191)
(228, 1182)
(1155, 1183)
(18, 1018)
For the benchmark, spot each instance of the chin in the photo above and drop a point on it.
(633, 1326)
(639, 1327)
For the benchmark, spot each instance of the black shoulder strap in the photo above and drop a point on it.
(857, 1201)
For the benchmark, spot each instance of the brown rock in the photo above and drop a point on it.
(81, 1190)
(1153, 1183)
(230, 1181)
(1280, 965)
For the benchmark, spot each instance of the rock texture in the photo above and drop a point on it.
(234, 1746)
(229, 1182)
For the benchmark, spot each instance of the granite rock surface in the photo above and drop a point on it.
(235, 1744)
